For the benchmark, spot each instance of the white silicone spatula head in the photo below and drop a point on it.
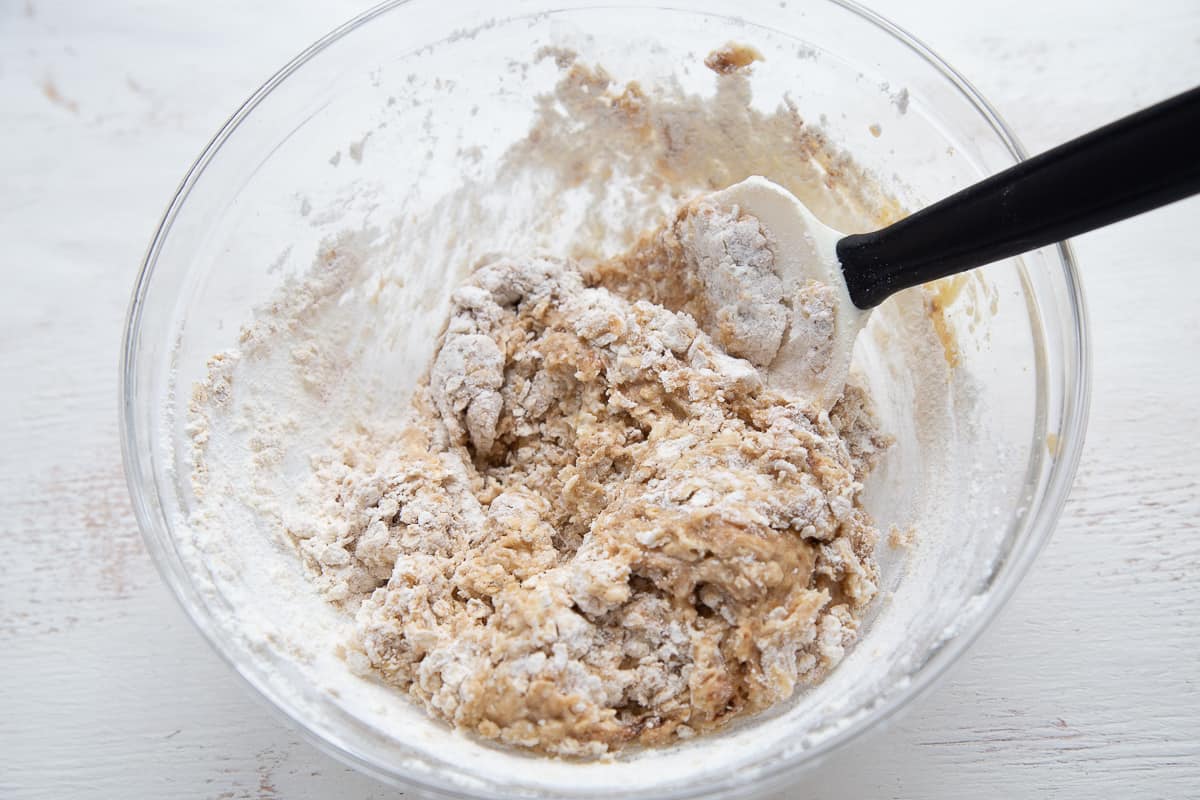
(813, 361)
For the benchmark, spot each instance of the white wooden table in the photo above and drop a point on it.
(1088, 685)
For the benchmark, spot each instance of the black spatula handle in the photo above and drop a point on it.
(1143, 161)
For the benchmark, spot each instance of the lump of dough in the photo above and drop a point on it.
(741, 292)
(466, 377)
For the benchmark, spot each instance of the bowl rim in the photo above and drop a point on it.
(1003, 582)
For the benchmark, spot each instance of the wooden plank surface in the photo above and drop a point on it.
(1087, 686)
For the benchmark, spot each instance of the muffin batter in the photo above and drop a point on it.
(600, 525)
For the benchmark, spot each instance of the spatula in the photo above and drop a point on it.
(1135, 164)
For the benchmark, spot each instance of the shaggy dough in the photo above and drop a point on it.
(598, 526)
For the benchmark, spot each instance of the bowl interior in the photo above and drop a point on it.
(404, 140)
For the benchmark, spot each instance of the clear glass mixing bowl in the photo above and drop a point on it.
(399, 107)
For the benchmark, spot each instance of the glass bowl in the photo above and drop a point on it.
(983, 381)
